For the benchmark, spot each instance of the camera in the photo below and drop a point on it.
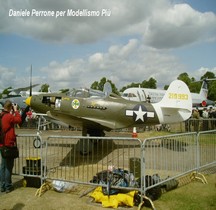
(13, 105)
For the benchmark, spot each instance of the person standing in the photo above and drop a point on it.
(205, 116)
(196, 118)
(10, 117)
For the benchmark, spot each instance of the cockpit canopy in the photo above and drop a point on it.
(85, 93)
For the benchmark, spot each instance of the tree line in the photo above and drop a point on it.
(193, 85)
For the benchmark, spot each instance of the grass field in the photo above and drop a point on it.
(192, 196)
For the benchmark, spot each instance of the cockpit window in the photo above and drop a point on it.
(96, 93)
(129, 95)
(81, 93)
(85, 93)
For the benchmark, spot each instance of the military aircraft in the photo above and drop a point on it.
(19, 95)
(155, 95)
(97, 112)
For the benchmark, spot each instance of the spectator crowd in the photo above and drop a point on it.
(202, 119)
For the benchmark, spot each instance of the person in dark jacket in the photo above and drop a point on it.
(10, 117)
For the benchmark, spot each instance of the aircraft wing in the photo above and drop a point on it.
(82, 121)
(18, 90)
(104, 123)
(65, 118)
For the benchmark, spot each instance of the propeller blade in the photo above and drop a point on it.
(30, 82)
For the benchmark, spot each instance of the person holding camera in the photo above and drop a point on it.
(10, 116)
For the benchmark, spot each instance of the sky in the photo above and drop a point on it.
(71, 43)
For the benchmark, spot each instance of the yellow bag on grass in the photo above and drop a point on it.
(113, 201)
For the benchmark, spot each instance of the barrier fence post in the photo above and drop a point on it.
(197, 152)
(143, 186)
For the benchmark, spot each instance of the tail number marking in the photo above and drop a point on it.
(178, 96)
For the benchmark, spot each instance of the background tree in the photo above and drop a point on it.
(95, 85)
(64, 90)
(208, 75)
(5, 92)
(195, 86)
(211, 85)
(192, 84)
(151, 83)
(166, 87)
(129, 86)
(44, 88)
(212, 91)
(185, 78)
(100, 85)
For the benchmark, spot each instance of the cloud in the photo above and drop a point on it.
(139, 35)
(69, 28)
(179, 25)
(202, 70)
(162, 24)
(123, 64)
(7, 77)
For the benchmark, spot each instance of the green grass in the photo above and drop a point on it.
(192, 196)
(207, 139)
(150, 134)
(204, 139)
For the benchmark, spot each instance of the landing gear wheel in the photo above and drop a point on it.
(37, 142)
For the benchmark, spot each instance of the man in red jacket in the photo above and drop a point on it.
(10, 117)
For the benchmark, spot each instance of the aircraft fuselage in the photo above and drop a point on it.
(98, 111)
(110, 112)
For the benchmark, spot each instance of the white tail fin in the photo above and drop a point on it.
(176, 105)
(204, 90)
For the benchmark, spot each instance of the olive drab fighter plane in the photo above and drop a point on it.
(97, 112)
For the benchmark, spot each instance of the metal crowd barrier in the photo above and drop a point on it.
(206, 143)
(198, 125)
(174, 156)
(30, 163)
(169, 157)
(79, 159)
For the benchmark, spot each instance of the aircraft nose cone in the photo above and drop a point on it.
(28, 101)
